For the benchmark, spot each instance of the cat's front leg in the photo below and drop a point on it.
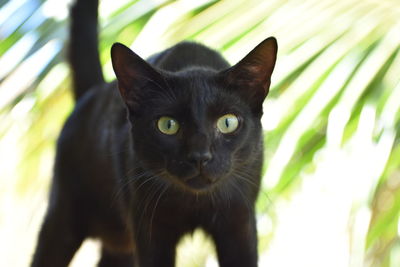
(236, 242)
(60, 236)
(156, 248)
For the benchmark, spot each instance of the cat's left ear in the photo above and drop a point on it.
(252, 75)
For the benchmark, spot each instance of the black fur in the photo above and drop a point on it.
(119, 179)
(83, 52)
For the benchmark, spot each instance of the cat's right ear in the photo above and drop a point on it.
(133, 74)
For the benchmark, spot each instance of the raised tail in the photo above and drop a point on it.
(83, 46)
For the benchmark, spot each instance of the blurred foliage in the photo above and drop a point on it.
(334, 107)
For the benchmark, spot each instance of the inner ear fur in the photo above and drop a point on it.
(252, 75)
(133, 74)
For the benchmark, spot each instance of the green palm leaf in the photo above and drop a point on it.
(332, 119)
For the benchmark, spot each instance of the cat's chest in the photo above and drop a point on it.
(191, 211)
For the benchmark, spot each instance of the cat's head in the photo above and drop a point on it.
(197, 127)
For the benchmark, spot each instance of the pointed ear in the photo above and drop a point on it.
(252, 75)
(133, 74)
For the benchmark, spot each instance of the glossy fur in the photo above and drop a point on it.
(119, 179)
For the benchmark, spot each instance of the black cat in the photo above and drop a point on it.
(177, 147)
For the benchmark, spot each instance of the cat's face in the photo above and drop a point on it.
(194, 131)
(195, 128)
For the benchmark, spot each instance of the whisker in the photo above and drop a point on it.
(124, 185)
(132, 180)
(144, 204)
(145, 182)
(148, 199)
(247, 178)
(227, 196)
(164, 188)
(245, 199)
(211, 195)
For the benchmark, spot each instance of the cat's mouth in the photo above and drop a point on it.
(196, 180)
(199, 182)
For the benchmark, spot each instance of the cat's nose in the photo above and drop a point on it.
(199, 158)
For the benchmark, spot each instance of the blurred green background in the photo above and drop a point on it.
(331, 188)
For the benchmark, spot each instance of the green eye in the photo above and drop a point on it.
(227, 123)
(167, 125)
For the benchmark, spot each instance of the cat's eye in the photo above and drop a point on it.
(227, 123)
(167, 125)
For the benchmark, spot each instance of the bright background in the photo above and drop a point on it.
(331, 191)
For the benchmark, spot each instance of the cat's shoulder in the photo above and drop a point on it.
(92, 111)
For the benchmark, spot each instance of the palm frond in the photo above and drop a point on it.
(332, 120)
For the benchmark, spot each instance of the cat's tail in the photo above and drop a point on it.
(83, 46)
